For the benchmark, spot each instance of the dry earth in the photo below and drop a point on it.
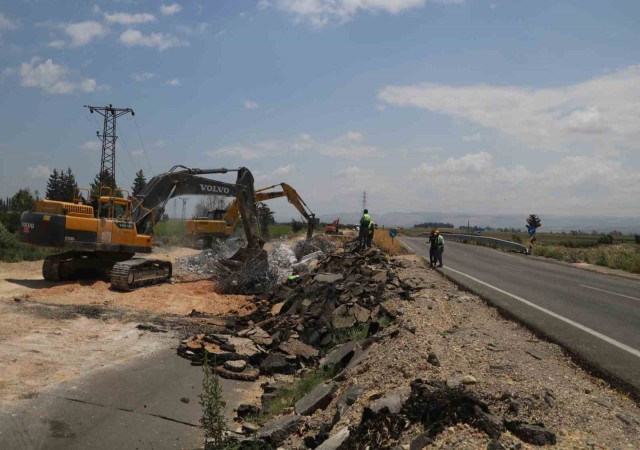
(51, 333)
(518, 375)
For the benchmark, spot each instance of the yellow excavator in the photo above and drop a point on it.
(222, 223)
(103, 236)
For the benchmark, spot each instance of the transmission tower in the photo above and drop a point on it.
(364, 200)
(184, 209)
(108, 137)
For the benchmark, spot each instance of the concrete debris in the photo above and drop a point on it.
(318, 398)
(335, 441)
(277, 430)
(531, 434)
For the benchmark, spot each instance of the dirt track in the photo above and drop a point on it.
(51, 333)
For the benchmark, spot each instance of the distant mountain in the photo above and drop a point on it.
(550, 222)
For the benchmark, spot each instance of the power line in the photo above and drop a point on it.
(142, 143)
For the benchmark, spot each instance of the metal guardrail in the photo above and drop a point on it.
(484, 240)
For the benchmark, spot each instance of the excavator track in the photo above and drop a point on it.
(137, 272)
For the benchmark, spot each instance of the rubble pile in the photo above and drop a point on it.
(317, 243)
(204, 263)
(297, 321)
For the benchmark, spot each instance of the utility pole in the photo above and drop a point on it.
(364, 200)
(175, 208)
(184, 209)
(108, 160)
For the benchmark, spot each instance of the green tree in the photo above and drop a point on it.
(108, 181)
(265, 218)
(23, 200)
(138, 183)
(212, 407)
(533, 221)
(54, 186)
(68, 186)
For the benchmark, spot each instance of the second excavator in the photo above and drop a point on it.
(222, 223)
(102, 237)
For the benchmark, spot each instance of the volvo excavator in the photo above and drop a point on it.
(102, 237)
(222, 223)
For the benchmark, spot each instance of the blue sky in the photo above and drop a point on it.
(451, 105)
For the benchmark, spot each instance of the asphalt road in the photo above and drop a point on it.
(595, 316)
(133, 406)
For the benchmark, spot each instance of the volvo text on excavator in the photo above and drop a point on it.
(102, 237)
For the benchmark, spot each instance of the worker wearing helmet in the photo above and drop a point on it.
(365, 222)
(439, 247)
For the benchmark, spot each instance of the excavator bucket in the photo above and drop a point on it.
(250, 259)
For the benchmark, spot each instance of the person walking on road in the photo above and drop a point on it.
(365, 221)
(439, 247)
(432, 249)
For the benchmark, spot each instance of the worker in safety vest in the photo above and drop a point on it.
(439, 247)
(370, 232)
(365, 221)
(433, 249)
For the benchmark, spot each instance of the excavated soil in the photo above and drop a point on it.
(519, 376)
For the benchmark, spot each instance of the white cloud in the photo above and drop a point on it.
(284, 170)
(348, 146)
(57, 43)
(38, 171)
(600, 112)
(249, 104)
(145, 76)
(7, 24)
(305, 137)
(160, 143)
(52, 78)
(173, 82)
(121, 18)
(476, 137)
(319, 13)
(202, 27)
(82, 33)
(160, 41)
(169, 10)
(91, 146)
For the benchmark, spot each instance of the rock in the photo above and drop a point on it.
(346, 400)
(391, 402)
(318, 398)
(469, 379)
(298, 348)
(276, 363)
(248, 374)
(149, 327)
(276, 431)
(531, 434)
(433, 359)
(420, 442)
(235, 366)
(184, 400)
(453, 383)
(335, 440)
(259, 336)
(361, 314)
(244, 346)
(249, 428)
(491, 424)
(342, 317)
(340, 356)
(328, 277)
(380, 277)
(495, 445)
(245, 409)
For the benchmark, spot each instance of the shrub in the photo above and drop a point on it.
(607, 240)
(636, 237)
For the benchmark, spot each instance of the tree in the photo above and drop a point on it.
(138, 183)
(265, 218)
(53, 191)
(108, 181)
(209, 203)
(533, 221)
(23, 200)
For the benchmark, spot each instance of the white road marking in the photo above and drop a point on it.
(605, 338)
(512, 268)
(609, 292)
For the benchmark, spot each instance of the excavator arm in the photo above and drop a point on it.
(182, 180)
(293, 197)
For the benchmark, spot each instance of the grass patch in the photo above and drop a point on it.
(390, 246)
(287, 397)
(344, 335)
(171, 227)
(278, 230)
(614, 256)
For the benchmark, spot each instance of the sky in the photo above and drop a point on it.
(494, 107)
